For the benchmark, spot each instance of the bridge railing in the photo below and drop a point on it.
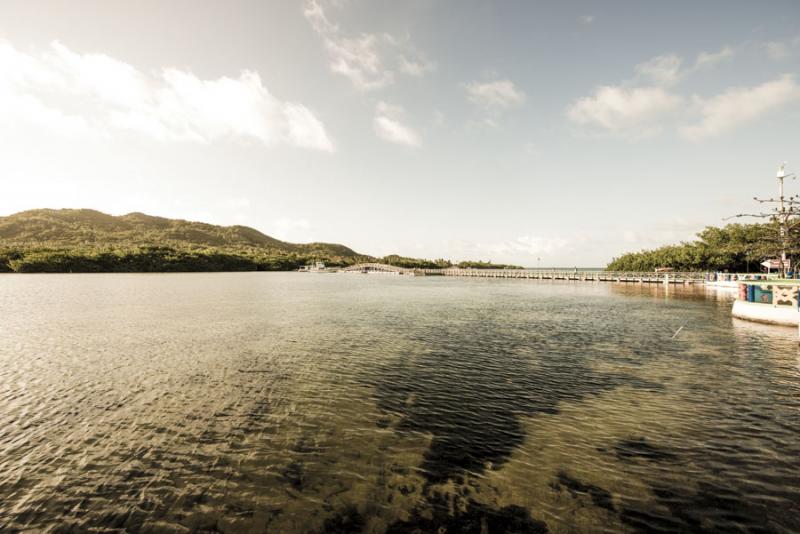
(379, 267)
(573, 273)
(546, 274)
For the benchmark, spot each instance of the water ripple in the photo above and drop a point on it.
(255, 402)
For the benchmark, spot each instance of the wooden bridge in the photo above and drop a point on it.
(541, 274)
(380, 268)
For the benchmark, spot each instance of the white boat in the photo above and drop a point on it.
(318, 267)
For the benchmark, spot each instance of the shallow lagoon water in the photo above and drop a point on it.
(289, 402)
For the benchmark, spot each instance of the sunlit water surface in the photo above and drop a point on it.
(289, 402)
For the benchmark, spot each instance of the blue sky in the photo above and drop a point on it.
(528, 132)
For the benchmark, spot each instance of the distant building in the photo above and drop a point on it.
(775, 264)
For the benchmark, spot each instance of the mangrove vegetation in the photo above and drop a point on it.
(735, 248)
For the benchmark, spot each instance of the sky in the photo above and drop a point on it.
(534, 133)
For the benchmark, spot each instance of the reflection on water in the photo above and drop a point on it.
(288, 402)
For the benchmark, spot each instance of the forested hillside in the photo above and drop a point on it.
(90, 241)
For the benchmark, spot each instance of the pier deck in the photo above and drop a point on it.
(685, 278)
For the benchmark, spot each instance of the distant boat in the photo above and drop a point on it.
(318, 267)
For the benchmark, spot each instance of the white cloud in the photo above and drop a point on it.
(358, 60)
(739, 105)
(18, 108)
(662, 70)
(388, 126)
(496, 95)
(707, 59)
(640, 110)
(416, 67)
(587, 19)
(617, 108)
(315, 15)
(638, 107)
(667, 70)
(67, 92)
(305, 129)
(370, 61)
(778, 50)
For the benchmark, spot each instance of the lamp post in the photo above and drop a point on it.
(783, 216)
(787, 207)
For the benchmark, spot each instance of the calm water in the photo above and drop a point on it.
(288, 402)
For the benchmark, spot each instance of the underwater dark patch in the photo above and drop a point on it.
(641, 448)
(469, 388)
(709, 508)
(294, 474)
(468, 518)
(600, 497)
(348, 520)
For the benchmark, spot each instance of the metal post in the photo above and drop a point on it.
(783, 218)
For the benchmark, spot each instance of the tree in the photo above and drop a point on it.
(785, 220)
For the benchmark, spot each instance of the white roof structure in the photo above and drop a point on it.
(775, 264)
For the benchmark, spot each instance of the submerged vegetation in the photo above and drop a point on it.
(735, 248)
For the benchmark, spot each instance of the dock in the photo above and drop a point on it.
(683, 278)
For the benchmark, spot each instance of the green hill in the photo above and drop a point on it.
(82, 240)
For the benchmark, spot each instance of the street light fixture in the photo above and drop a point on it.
(785, 209)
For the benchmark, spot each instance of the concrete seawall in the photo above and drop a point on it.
(762, 313)
(771, 302)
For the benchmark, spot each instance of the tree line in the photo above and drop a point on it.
(734, 247)
(177, 258)
(157, 259)
(418, 263)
